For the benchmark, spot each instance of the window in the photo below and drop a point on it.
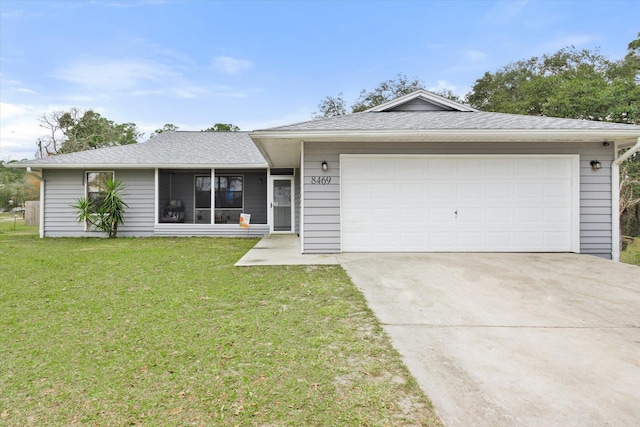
(229, 199)
(97, 187)
(202, 208)
(203, 192)
(229, 192)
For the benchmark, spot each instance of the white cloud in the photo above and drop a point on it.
(9, 111)
(20, 128)
(113, 75)
(103, 78)
(505, 11)
(443, 85)
(476, 55)
(18, 131)
(229, 65)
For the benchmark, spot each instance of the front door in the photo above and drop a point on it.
(282, 204)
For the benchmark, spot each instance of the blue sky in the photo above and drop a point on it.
(262, 64)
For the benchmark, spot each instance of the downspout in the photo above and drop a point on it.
(42, 183)
(615, 198)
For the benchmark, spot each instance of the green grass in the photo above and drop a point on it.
(631, 254)
(166, 332)
(15, 225)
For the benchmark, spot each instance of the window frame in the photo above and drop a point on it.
(220, 207)
(87, 225)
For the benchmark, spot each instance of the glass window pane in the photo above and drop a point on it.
(229, 192)
(97, 187)
(203, 192)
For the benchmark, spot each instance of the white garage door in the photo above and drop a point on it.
(459, 204)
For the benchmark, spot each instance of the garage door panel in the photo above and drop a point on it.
(527, 190)
(468, 215)
(552, 215)
(471, 241)
(525, 240)
(469, 169)
(498, 169)
(556, 168)
(413, 169)
(440, 190)
(443, 169)
(470, 190)
(441, 215)
(529, 169)
(500, 190)
(458, 204)
(528, 215)
(500, 215)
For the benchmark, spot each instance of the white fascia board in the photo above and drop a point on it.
(469, 135)
(426, 96)
(41, 166)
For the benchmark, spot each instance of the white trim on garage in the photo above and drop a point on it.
(553, 204)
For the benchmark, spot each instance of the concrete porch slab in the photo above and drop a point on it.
(282, 249)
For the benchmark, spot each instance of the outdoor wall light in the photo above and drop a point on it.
(595, 165)
(325, 166)
(606, 143)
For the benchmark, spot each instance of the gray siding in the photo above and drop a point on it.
(322, 202)
(62, 188)
(139, 194)
(65, 186)
(255, 196)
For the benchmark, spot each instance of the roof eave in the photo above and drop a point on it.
(40, 166)
(441, 135)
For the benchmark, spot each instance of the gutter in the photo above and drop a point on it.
(615, 198)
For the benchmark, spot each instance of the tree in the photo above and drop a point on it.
(331, 106)
(168, 127)
(570, 83)
(17, 186)
(578, 84)
(222, 127)
(109, 214)
(386, 91)
(79, 130)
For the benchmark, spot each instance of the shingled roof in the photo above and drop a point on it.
(447, 120)
(168, 149)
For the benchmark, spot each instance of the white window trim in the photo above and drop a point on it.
(85, 179)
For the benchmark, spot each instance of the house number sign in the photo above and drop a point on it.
(320, 180)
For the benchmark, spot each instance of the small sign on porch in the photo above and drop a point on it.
(245, 219)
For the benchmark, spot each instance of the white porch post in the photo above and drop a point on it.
(213, 197)
(156, 198)
(269, 201)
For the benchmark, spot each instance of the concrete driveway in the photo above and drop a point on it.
(512, 339)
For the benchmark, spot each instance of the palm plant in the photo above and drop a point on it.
(109, 214)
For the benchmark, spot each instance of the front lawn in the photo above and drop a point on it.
(167, 332)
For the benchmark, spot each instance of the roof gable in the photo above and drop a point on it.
(420, 100)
